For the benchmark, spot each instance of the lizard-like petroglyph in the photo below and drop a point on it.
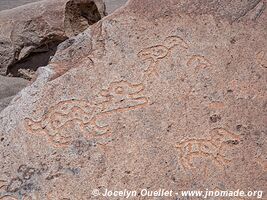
(211, 148)
(70, 117)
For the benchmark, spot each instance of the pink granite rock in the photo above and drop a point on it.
(168, 95)
(29, 34)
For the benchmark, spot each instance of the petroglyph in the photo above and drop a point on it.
(68, 118)
(261, 58)
(62, 120)
(174, 41)
(120, 96)
(123, 96)
(206, 148)
(198, 62)
(155, 53)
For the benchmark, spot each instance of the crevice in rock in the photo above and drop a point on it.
(38, 57)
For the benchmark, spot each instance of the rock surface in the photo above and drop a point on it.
(10, 87)
(30, 34)
(157, 95)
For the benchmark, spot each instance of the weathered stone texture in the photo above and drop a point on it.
(30, 34)
(152, 96)
(9, 87)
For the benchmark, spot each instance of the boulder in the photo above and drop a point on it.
(29, 34)
(168, 95)
(9, 87)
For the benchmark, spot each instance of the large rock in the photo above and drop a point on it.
(30, 34)
(167, 95)
(111, 5)
(9, 87)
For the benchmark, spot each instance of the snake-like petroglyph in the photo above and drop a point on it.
(68, 117)
(157, 52)
(211, 148)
